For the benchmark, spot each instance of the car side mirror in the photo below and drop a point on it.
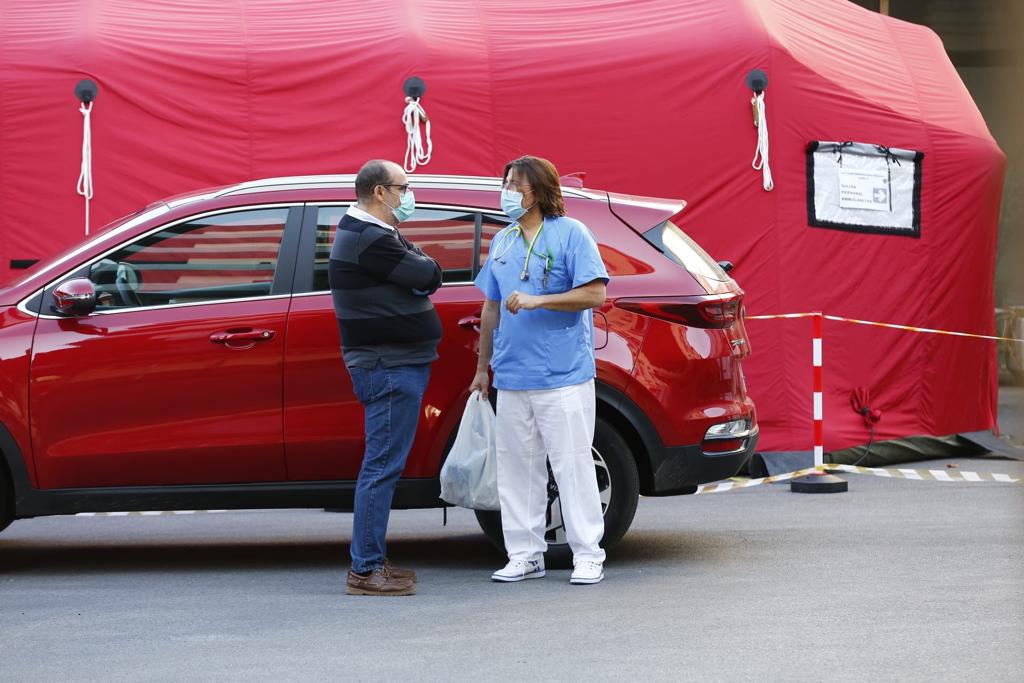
(725, 265)
(74, 298)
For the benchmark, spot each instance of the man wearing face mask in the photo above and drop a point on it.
(380, 284)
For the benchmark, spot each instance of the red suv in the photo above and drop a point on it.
(187, 356)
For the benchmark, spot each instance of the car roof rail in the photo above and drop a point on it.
(457, 182)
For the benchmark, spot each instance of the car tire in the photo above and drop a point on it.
(6, 498)
(619, 483)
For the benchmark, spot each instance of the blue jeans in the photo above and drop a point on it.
(391, 399)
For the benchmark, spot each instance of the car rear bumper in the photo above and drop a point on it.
(679, 470)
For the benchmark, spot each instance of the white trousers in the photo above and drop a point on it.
(532, 428)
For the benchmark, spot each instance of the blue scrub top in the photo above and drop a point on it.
(542, 349)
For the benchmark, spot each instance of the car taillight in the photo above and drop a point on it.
(724, 446)
(713, 311)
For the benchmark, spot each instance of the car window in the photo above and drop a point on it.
(326, 222)
(445, 235)
(224, 256)
(678, 246)
(490, 226)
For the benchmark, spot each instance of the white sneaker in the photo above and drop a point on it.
(517, 570)
(585, 572)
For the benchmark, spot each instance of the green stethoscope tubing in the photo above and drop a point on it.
(514, 232)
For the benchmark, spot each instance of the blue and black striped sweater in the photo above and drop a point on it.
(379, 283)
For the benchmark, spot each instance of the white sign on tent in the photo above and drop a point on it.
(864, 188)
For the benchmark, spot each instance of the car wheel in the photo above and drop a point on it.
(618, 483)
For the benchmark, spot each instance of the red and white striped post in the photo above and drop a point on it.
(819, 431)
(821, 481)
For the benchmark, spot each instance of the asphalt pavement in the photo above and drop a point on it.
(894, 580)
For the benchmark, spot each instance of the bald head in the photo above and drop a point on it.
(377, 189)
(377, 172)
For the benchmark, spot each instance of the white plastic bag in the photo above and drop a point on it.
(469, 477)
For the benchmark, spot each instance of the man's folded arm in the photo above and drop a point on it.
(388, 259)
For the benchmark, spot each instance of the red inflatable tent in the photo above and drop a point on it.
(647, 97)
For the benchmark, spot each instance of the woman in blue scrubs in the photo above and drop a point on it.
(542, 277)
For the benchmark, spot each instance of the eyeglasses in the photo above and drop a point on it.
(512, 186)
(402, 189)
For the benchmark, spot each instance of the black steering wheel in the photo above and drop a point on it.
(127, 281)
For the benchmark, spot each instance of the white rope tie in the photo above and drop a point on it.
(415, 155)
(85, 177)
(760, 162)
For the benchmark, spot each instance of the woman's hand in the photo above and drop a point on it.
(481, 382)
(517, 301)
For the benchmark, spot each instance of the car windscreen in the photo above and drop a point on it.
(107, 232)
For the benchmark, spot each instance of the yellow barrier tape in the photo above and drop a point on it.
(892, 326)
(734, 484)
(946, 475)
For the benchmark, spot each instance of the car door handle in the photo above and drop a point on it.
(472, 321)
(604, 327)
(243, 336)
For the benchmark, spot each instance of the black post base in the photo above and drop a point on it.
(819, 483)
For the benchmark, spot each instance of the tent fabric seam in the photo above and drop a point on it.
(926, 349)
(247, 85)
(772, 43)
(490, 79)
(773, 46)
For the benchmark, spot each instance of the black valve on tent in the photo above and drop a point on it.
(86, 90)
(418, 145)
(414, 87)
(757, 81)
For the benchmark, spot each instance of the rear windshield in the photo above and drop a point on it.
(677, 245)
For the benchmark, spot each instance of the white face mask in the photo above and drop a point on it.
(512, 204)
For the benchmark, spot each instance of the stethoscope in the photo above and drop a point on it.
(508, 240)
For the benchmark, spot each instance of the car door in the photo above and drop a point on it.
(324, 432)
(176, 378)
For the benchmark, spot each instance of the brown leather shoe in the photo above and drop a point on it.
(378, 582)
(399, 572)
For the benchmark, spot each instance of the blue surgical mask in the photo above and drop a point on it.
(512, 204)
(405, 207)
